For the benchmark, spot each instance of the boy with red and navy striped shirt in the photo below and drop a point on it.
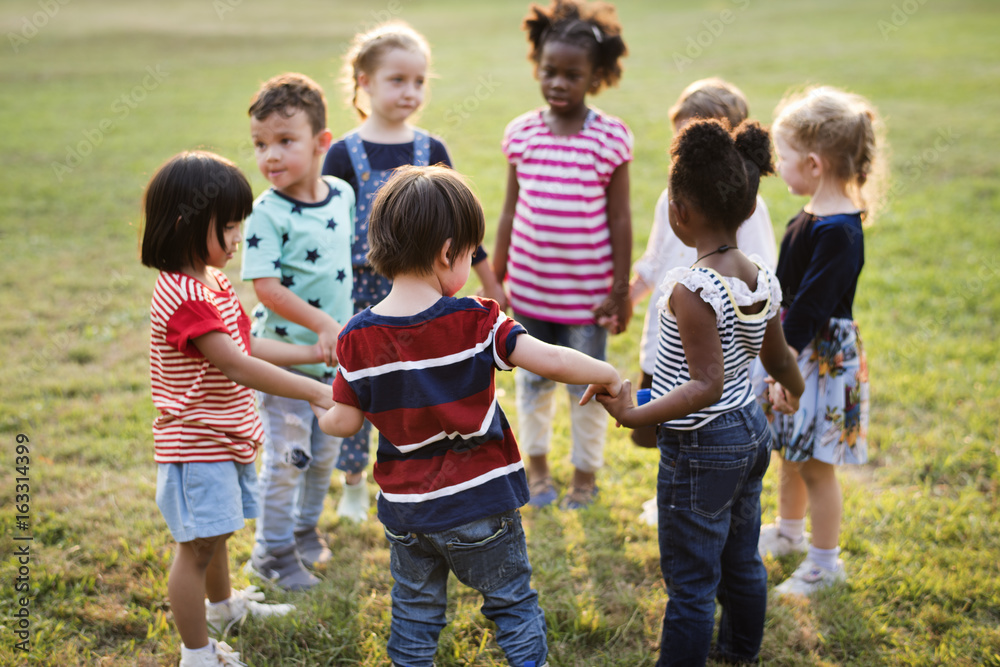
(420, 366)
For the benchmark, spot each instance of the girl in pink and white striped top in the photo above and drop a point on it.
(564, 239)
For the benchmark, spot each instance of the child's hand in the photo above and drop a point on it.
(328, 343)
(616, 308)
(611, 389)
(618, 405)
(781, 400)
(608, 322)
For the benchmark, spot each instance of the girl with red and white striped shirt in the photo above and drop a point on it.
(564, 239)
(203, 378)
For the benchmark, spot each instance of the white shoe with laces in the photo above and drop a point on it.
(773, 542)
(221, 654)
(810, 577)
(223, 616)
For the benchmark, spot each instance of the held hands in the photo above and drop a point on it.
(614, 312)
(618, 405)
(613, 388)
(327, 343)
(781, 400)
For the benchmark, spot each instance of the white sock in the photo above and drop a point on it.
(220, 602)
(793, 529)
(825, 558)
(207, 648)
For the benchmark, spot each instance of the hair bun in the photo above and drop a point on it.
(754, 144)
(706, 140)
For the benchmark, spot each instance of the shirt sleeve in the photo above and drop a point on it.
(511, 145)
(337, 162)
(191, 320)
(834, 264)
(262, 243)
(505, 333)
(342, 391)
(439, 153)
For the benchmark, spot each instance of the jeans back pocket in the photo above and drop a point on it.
(715, 484)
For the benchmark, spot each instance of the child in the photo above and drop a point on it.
(388, 64)
(715, 317)
(564, 239)
(298, 256)
(420, 366)
(706, 98)
(826, 145)
(202, 377)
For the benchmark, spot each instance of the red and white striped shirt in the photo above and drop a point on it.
(559, 265)
(204, 416)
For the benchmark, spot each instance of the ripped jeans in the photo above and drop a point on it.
(296, 464)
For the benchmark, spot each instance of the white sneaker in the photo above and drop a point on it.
(650, 515)
(221, 654)
(222, 617)
(353, 504)
(810, 577)
(774, 543)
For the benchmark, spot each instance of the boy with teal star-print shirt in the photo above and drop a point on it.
(298, 254)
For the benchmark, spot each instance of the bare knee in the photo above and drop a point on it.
(817, 473)
(202, 549)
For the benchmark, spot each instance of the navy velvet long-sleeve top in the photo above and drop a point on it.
(818, 268)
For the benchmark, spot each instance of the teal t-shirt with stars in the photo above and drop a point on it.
(308, 247)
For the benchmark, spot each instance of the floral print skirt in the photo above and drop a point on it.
(831, 424)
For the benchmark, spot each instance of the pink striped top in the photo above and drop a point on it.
(559, 264)
(204, 416)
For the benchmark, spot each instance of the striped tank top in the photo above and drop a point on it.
(741, 335)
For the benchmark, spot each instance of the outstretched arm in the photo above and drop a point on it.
(564, 364)
(342, 421)
(703, 350)
(220, 349)
(285, 302)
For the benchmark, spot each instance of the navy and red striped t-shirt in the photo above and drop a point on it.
(446, 453)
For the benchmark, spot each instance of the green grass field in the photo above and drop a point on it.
(96, 95)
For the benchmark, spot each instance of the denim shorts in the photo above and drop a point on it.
(206, 499)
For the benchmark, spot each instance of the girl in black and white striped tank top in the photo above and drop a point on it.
(715, 317)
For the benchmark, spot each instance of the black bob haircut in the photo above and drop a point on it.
(189, 192)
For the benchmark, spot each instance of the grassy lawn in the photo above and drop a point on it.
(96, 95)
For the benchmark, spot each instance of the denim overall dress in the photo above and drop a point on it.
(369, 287)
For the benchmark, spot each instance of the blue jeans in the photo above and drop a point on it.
(296, 464)
(708, 496)
(489, 555)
